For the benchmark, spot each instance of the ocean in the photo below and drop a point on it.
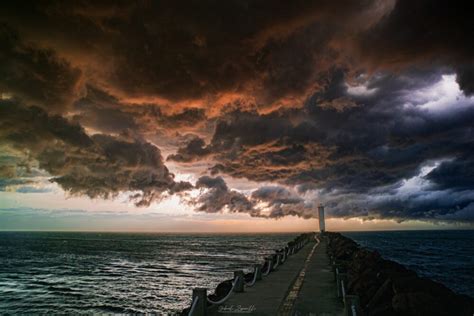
(71, 273)
(119, 272)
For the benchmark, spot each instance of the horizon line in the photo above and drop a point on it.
(227, 232)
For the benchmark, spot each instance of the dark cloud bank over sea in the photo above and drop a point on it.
(365, 106)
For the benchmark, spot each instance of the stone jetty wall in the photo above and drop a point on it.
(387, 288)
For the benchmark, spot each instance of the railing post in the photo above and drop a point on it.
(352, 305)
(258, 272)
(239, 278)
(337, 269)
(279, 257)
(271, 262)
(201, 307)
(268, 260)
(342, 277)
(274, 261)
(338, 287)
(338, 283)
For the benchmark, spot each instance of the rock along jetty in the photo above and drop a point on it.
(387, 288)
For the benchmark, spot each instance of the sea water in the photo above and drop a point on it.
(70, 273)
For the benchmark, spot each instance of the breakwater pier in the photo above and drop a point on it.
(285, 284)
(328, 274)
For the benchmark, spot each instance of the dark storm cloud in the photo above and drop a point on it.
(322, 142)
(33, 73)
(426, 31)
(427, 205)
(181, 50)
(219, 196)
(268, 202)
(465, 78)
(260, 147)
(410, 139)
(350, 155)
(104, 112)
(189, 116)
(281, 202)
(96, 166)
(456, 174)
(420, 29)
(265, 51)
(195, 149)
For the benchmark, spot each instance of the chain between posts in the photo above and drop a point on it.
(200, 299)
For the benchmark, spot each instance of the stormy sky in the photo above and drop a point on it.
(257, 108)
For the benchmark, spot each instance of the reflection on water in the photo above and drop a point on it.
(119, 273)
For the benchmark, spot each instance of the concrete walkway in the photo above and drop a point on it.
(303, 285)
(265, 297)
(318, 293)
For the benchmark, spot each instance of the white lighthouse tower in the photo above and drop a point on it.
(322, 225)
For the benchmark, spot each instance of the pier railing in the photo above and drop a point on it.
(351, 302)
(200, 300)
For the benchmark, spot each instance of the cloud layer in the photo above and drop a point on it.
(365, 106)
(267, 201)
(96, 166)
